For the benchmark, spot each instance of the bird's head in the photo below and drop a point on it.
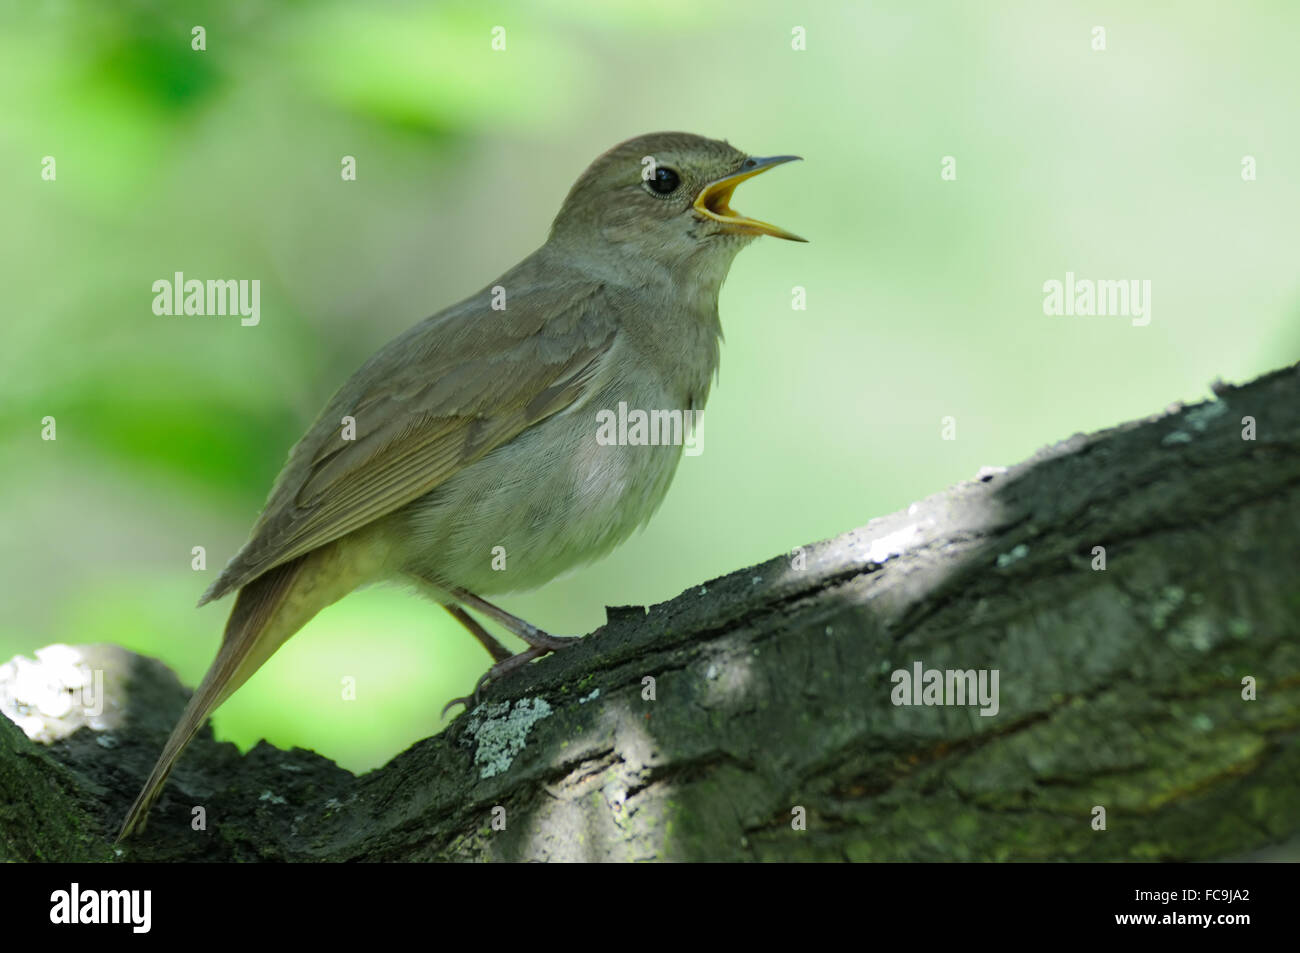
(666, 196)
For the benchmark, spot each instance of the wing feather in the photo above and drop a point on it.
(431, 402)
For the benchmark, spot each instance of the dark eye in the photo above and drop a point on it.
(664, 181)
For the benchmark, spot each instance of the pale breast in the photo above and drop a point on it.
(558, 495)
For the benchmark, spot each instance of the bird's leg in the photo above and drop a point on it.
(539, 643)
(432, 588)
(498, 651)
(534, 636)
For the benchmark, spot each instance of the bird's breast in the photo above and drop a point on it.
(564, 492)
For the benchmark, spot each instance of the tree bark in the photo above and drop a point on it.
(710, 726)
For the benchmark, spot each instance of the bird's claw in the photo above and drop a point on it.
(473, 697)
(550, 644)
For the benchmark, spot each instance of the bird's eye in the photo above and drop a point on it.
(664, 181)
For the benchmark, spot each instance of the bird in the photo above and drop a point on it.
(474, 434)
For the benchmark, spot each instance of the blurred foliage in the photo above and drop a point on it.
(924, 296)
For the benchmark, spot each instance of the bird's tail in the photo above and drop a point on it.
(267, 612)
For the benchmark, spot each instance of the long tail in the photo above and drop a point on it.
(267, 612)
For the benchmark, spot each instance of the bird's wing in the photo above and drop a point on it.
(431, 402)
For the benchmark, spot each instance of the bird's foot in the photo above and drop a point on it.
(551, 643)
(539, 643)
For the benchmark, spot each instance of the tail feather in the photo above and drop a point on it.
(250, 639)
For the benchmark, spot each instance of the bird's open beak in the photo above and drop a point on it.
(713, 199)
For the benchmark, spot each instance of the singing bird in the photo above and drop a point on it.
(477, 427)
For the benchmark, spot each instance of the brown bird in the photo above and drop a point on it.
(478, 427)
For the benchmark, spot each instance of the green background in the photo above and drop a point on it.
(924, 296)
